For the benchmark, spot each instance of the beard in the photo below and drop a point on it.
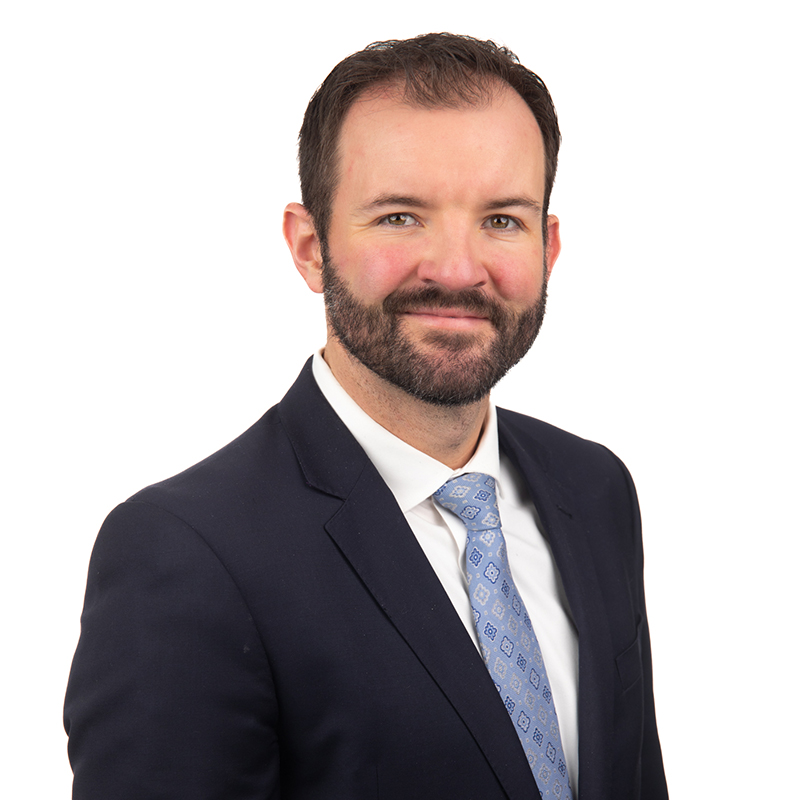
(445, 368)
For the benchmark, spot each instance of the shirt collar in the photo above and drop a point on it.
(411, 475)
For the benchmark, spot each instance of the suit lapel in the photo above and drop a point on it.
(571, 546)
(380, 546)
(374, 537)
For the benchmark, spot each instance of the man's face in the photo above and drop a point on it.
(434, 270)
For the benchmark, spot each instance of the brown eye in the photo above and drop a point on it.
(501, 222)
(398, 220)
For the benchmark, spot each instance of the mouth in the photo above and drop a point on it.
(446, 318)
(467, 310)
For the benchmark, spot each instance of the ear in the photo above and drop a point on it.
(301, 236)
(553, 242)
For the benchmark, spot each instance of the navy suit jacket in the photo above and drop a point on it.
(266, 625)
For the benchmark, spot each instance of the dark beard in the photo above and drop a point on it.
(453, 368)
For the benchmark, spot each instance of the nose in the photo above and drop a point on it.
(452, 260)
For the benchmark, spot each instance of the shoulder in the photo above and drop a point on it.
(245, 493)
(253, 459)
(582, 478)
(559, 452)
(296, 453)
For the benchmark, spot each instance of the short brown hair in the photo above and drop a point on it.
(434, 70)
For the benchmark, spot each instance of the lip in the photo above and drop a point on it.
(456, 318)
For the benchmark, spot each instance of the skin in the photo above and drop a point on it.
(447, 196)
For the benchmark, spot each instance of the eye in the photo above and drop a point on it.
(398, 220)
(500, 222)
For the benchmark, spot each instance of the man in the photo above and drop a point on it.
(387, 587)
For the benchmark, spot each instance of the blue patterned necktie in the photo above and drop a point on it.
(508, 643)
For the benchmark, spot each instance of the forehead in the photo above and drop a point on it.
(387, 144)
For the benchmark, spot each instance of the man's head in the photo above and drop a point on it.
(437, 246)
(435, 70)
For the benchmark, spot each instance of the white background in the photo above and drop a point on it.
(151, 312)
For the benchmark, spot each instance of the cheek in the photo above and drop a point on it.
(376, 271)
(519, 282)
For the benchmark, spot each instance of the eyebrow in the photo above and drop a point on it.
(410, 201)
(383, 200)
(512, 202)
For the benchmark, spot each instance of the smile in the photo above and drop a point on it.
(453, 318)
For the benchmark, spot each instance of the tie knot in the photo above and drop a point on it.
(472, 497)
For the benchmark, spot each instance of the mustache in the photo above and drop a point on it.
(472, 300)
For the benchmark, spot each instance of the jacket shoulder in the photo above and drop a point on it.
(559, 452)
(249, 465)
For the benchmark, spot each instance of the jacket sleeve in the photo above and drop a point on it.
(170, 694)
(653, 779)
(654, 782)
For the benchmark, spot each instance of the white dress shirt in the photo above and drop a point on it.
(412, 476)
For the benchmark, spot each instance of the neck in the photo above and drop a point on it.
(448, 434)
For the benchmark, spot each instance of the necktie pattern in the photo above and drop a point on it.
(508, 643)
